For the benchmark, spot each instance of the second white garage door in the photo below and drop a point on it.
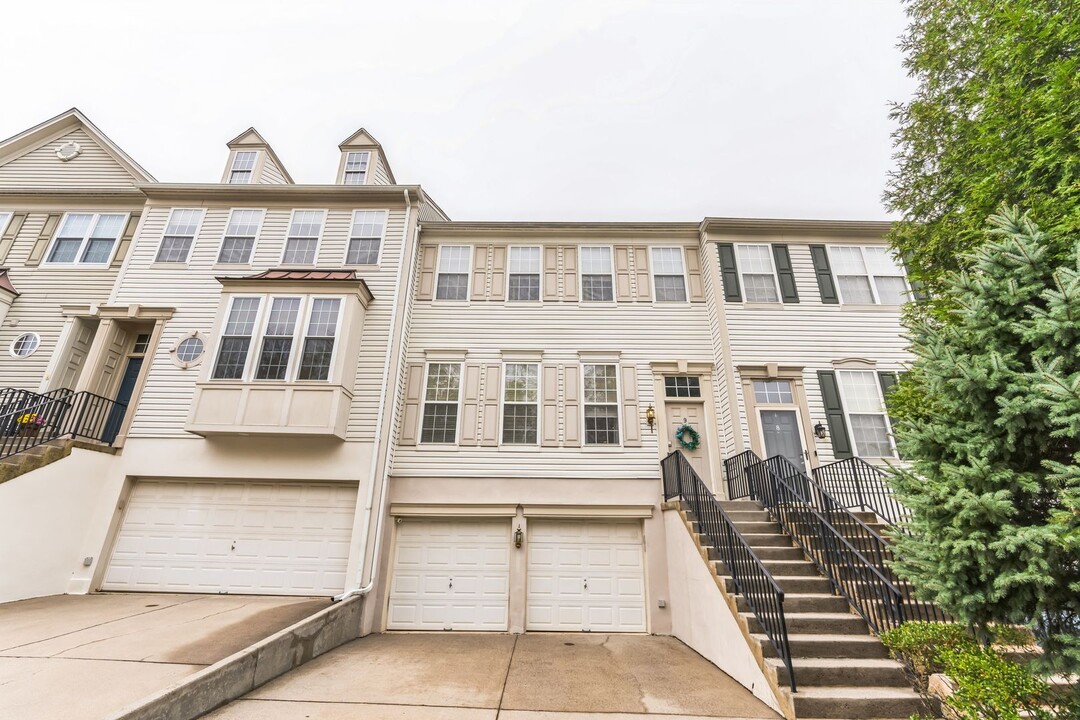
(585, 575)
(211, 536)
(450, 575)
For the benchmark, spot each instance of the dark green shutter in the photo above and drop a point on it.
(834, 414)
(888, 382)
(825, 282)
(729, 272)
(788, 292)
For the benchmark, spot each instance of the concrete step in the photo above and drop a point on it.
(748, 515)
(768, 553)
(758, 528)
(827, 646)
(803, 602)
(815, 623)
(756, 540)
(833, 672)
(791, 568)
(789, 584)
(740, 505)
(857, 702)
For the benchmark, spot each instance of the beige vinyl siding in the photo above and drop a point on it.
(271, 174)
(94, 167)
(379, 175)
(812, 334)
(429, 212)
(194, 292)
(43, 290)
(640, 333)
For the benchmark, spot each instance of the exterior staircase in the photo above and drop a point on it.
(44, 454)
(842, 671)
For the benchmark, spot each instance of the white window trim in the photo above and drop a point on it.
(793, 407)
(618, 402)
(869, 277)
(318, 238)
(225, 234)
(468, 276)
(539, 273)
(259, 333)
(652, 274)
(382, 238)
(424, 403)
(582, 273)
(232, 167)
(194, 238)
(11, 345)
(539, 409)
(185, 364)
(367, 170)
(772, 266)
(847, 412)
(5, 219)
(94, 216)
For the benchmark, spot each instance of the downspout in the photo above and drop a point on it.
(365, 589)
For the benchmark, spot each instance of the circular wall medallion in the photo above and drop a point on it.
(69, 150)
(25, 345)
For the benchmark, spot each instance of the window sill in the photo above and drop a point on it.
(873, 308)
(270, 407)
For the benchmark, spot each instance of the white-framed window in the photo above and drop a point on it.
(521, 403)
(453, 276)
(597, 282)
(442, 394)
(240, 235)
(523, 273)
(179, 235)
(302, 243)
(860, 393)
(356, 167)
(262, 334)
(868, 275)
(366, 237)
(189, 351)
(243, 167)
(601, 398)
(682, 386)
(669, 274)
(85, 239)
(25, 345)
(773, 392)
(758, 274)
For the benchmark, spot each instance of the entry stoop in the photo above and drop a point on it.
(841, 669)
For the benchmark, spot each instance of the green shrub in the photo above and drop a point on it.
(1011, 636)
(918, 646)
(989, 687)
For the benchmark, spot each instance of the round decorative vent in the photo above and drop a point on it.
(69, 150)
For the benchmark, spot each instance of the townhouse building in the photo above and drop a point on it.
(334, 389)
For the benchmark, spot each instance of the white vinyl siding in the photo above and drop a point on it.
(356, 168)
(366, 237)
(243, 167)
(93, 168)
(179, 235)
(240, 236)
(523, 274)
(521, 403)
(864, 407)
(757, 273)
(442, 395)
(669, 274)
(597, 280)
(85, 239)
(453, 273)
(868, 275)
(302, 244)
(601, 403)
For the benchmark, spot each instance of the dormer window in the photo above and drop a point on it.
(243, 167)
(356, 167)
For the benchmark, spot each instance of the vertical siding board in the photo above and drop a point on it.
(693, 272)
(572, 405)
(630, 407)
(489, 434)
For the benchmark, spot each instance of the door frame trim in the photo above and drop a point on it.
(747, 375)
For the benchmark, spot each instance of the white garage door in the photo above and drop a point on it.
(450, 575)
(234, 537)
(585, 575)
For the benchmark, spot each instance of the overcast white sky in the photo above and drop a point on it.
(501, 109)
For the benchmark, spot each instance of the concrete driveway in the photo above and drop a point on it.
(459, 676)
(72, 657)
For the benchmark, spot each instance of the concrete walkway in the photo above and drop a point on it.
(463, 676)
(75, 657)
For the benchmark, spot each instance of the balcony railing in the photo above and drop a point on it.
(30, 419)
(751, 578)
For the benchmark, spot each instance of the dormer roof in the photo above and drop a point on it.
(363, 140)
(250, 139)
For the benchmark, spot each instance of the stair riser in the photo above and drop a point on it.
(840, 625)
(768, 553)
(738, 516)
(831, 648)
(857, 709)
(767, 540)
(740, 505)
(837, 677)
(800, 585)
(781, 568)
(817, 603)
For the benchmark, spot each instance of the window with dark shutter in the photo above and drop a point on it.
(834, 415)
(729, 272)
(825, 281)
(789, 293)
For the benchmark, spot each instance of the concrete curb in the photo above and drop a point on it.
(243, 671)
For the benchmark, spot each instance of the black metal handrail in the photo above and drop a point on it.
(850, 553)
(751, 578)
(858, 484)
(55, 415)
(735, 474)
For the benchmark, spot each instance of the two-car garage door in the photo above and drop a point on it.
(452, 574)
(280, 538)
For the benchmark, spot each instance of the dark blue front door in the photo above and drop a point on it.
(123, 397)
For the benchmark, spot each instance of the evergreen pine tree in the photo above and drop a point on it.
(994, 480)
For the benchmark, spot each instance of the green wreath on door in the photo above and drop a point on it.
(688, 437)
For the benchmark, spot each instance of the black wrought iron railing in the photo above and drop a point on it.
(858, 484)
(850, 553)
(735, 474)
(751, 578)
(31, 419)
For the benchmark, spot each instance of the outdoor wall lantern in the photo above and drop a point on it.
(820, 430)
(650, 416)
(518, 537)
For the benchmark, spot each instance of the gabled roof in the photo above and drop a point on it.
(53, 128)
(5, 283)
(363, 140)
(251, 138)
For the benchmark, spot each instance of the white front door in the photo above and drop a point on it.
(692, 414)
(585, 575)
(215, 536)
(450, 575)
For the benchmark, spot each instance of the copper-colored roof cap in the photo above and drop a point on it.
(282, 274)
(5, 283)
